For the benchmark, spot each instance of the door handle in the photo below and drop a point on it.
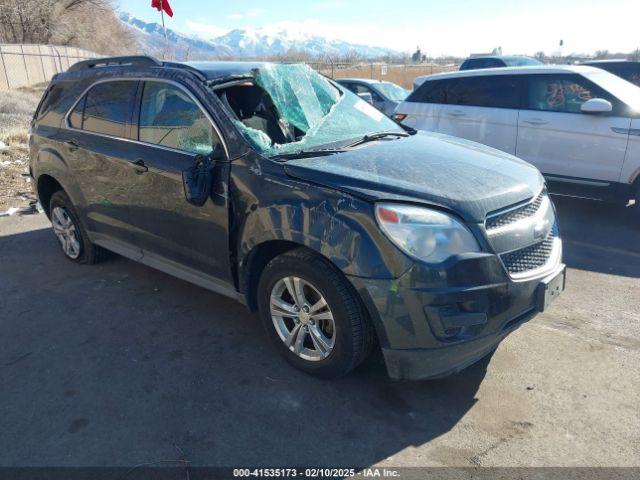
(139, 166)
(536, 121)
(72, 145)
(457, 113)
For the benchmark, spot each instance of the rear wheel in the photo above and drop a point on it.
(313, 315)
(70, 233)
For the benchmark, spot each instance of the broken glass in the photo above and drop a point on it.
(308, 101)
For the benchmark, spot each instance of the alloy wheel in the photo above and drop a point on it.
(66, 231)
(302, 318)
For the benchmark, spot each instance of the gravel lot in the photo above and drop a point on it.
(118, 364)
(16, 109)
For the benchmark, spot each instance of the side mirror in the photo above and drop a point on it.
(198, 179)
(367, 97)
(596, 105)
(218, 152)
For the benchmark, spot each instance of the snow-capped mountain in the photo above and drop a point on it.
(244, 43)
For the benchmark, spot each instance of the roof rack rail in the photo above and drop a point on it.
(133, 60)
(185, 66)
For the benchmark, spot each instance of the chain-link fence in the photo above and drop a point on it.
(23, 65)
(397, 73)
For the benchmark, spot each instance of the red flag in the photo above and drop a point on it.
(162, 5)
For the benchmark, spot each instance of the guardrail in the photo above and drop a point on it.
(24, 65)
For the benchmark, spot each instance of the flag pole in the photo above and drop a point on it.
(164, 29)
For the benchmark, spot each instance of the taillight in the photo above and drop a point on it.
(399, 117)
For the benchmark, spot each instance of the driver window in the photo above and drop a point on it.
(170, 118)
(362, 89)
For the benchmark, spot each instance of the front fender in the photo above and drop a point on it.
(270, 206)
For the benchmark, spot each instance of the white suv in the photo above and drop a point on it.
(579, 125)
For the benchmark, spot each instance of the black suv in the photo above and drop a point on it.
(497, 61)
(275, 186)
(626, 69)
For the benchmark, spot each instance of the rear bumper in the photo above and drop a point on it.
(430, 326)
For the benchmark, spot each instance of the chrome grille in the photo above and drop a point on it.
(502, 219)
(529, 258)
(526, 237)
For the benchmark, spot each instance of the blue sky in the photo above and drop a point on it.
(457, 27)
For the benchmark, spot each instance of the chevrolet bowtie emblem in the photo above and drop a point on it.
(540, 229)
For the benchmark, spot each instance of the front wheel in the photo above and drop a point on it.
(313, 315)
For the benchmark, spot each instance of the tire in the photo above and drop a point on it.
(337, 337)
(63, 214)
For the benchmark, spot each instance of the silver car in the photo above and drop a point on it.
(385, 96)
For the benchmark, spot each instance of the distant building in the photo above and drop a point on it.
(417, 56)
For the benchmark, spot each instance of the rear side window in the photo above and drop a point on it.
(75, 119)
(49, 99)
(106, 108)
(170, 118)
(475, 63)
(470, 64)
(493, 63)
(498, 91)
(562, 93)
(431, 91)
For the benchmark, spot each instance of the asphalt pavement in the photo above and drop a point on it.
(117, 364)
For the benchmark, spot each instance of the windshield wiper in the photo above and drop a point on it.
(308, 153)
(331, 151)
(375, 136)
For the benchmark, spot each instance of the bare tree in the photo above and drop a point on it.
(89, 24)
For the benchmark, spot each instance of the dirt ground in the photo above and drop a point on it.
(16, 109)
(117, 364)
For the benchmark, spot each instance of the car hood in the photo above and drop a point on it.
(462, 176)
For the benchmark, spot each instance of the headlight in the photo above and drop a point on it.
(424, 234)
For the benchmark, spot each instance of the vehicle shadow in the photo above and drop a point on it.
(599, 237)
(117, 364)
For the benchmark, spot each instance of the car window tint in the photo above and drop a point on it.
(492, 63)
(107, 108)
(169, 117)
(75, 119)
(498, 91)
(376, 96)
(351, 87)
(470, 64)
(630, 73)
(359, 88)
(562, 93)
(50, 98)
(431, 91)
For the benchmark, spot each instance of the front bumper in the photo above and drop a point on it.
(435, 322)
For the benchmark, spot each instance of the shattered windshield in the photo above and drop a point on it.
(288, 108)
